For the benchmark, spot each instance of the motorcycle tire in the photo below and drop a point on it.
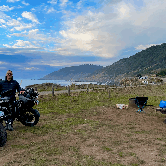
(3, 135)
(30, 117)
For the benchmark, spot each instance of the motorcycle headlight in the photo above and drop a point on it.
(1, 113)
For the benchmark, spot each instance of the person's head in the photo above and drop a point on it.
(9, 75)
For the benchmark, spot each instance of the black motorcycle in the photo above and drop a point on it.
(23, 110)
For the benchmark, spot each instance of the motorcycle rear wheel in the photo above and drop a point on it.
(30, 117)
(3, 135)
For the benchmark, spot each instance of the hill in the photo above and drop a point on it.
(74, 72)
(149, 61)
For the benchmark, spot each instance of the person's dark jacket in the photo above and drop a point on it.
(6, 85)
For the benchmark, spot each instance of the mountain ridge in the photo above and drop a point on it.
(148, 61)
(73, 72)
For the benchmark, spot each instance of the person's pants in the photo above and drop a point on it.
(13, 113)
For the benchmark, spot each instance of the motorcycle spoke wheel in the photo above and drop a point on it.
(30, 118)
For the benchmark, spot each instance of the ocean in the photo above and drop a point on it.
(25, 82)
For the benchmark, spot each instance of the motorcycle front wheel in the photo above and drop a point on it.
(30, 117)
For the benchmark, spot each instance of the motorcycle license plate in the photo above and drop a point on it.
(1, 113)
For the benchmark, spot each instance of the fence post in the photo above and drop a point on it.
(52, 90)
(68, 90)
(109, 93)
(87, 88)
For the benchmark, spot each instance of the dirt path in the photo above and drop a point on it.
(59, 92)
(62, 91)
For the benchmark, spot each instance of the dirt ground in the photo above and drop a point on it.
(121, 136)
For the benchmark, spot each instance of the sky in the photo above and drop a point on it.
(40, 37)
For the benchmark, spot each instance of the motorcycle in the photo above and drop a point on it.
(23, 110)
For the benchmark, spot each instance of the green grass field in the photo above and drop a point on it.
(67, 132)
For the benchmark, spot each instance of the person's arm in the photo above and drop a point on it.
(19, 89)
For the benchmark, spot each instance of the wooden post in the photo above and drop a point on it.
(109, 93)
(52, 90)
(68, 90)
(87, 88)
(35, 88)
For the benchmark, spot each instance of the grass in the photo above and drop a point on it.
(69, 124)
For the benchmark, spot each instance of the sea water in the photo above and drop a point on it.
(25, 82)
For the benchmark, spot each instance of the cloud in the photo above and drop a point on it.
(143, 47)
(8, 36)
(17, 25)
(65, 62)
(88, 33)
(2, 21)
(29, 16)
(38, 37)
(30, 68)
(2, 68)
(6, 8)
(3, 26)
(24, 3)
(12, 1)
(21, 44)
(53, 2)
(34, 34)
(63, 3)
(22, 27)
(51, 10)
(2, 62)
(79, 4)
(13, 22)
(106, 31)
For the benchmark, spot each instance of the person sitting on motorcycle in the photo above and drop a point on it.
(5, 85)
